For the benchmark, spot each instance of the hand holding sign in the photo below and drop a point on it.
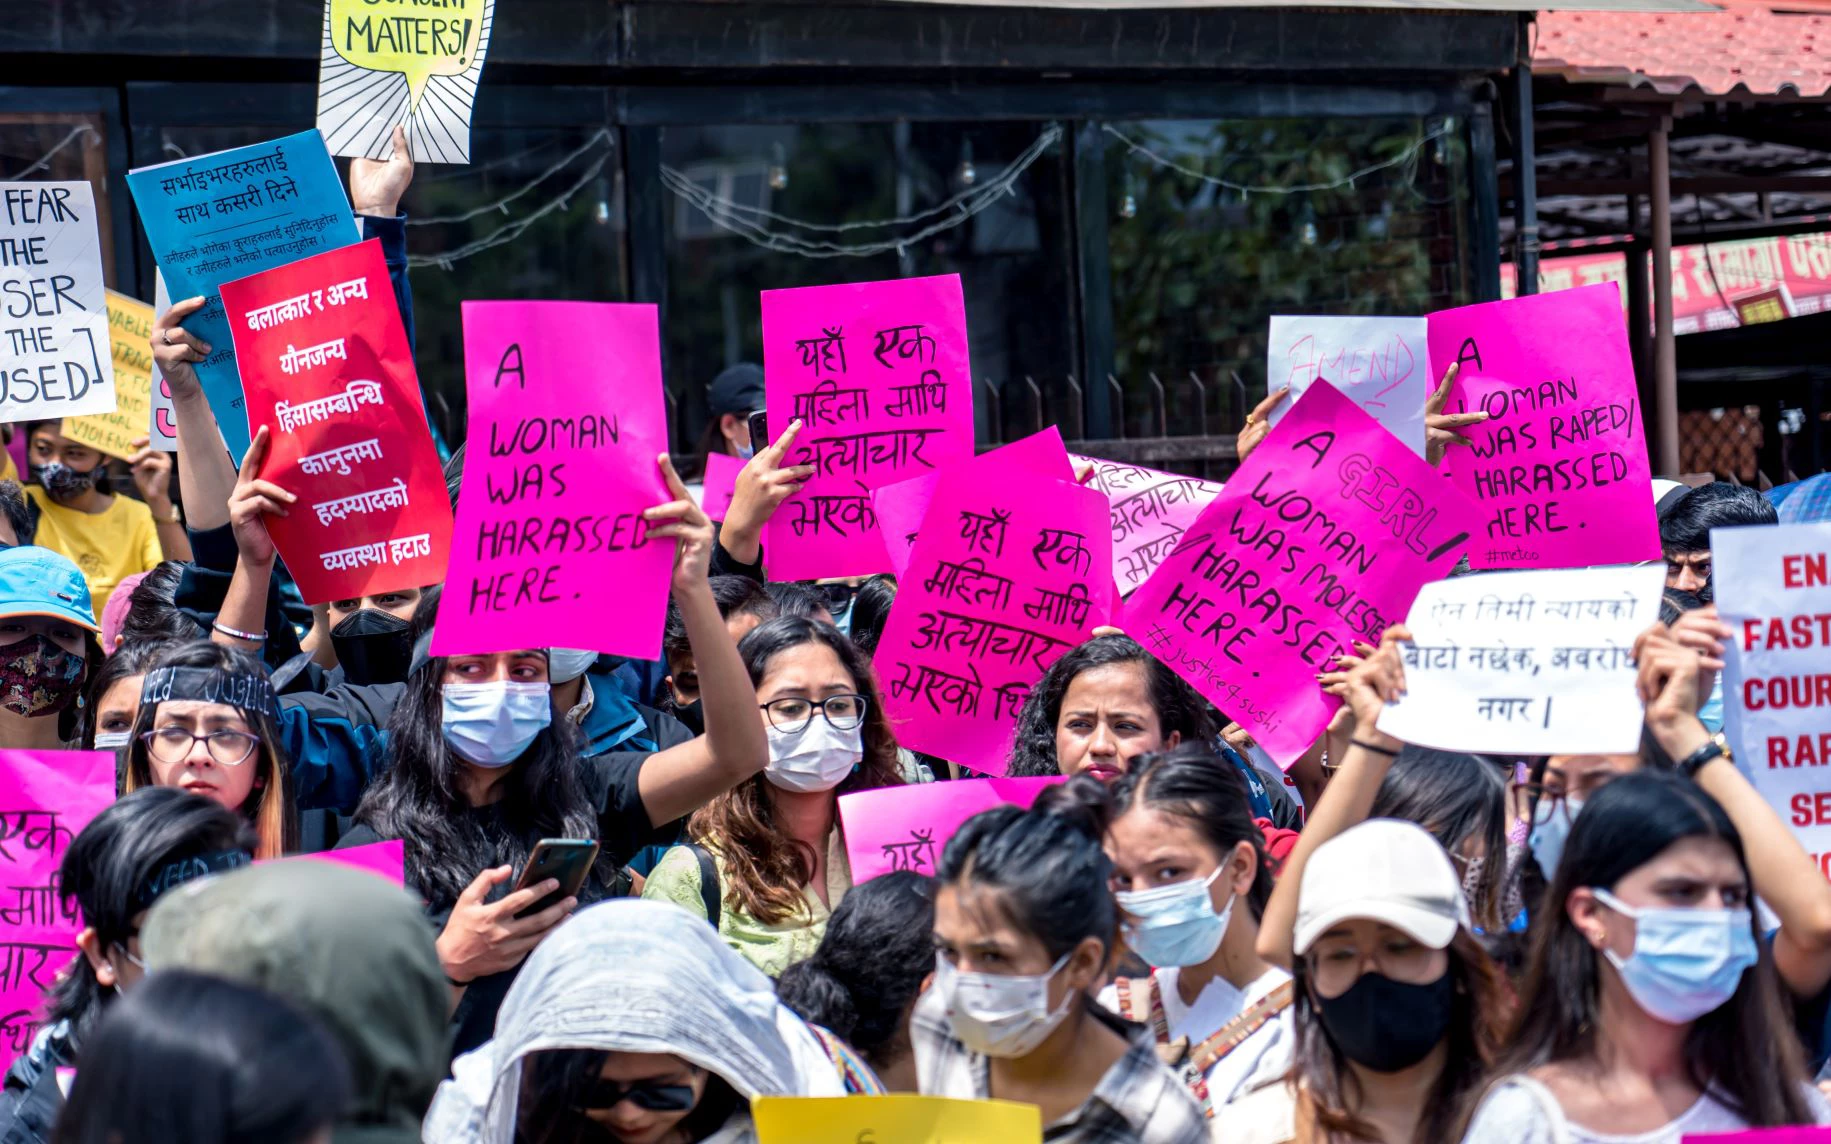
(1671, 680)
(1441, 430)
(685, 522)
(381, 56)
(252, 500)
(176, 350)
(1258, 424)
(376, 185)
(758, 493)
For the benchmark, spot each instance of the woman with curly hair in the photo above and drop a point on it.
(767, 864)
(1102, 705)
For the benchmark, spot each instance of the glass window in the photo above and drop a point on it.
(62, 145)
(1015, 257)
(1198, 269)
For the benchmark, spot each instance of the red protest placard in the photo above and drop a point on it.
(327, 369)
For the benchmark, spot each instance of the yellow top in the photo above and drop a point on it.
(8, 470)
(108, 546)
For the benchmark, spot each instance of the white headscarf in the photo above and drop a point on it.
(638, 977)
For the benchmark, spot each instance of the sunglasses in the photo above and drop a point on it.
(646, 1094)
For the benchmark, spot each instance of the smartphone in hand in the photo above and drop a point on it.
(568, 859)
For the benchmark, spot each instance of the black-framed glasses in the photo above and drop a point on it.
(791, 715)
(174, 744)
(645, 1094)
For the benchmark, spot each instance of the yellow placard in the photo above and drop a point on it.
(413, 37)
(130, 329)
(899, 1119)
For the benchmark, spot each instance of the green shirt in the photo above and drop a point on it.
(771, 948)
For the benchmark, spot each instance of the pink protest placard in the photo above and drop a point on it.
(720, 483)
(1011, 570)
(388, 859)
(1323, 537)
(1150, 512)
(907, 827)
(901, 507)
(1762, 1136)
(566, 422)
(46, 798)
(879, 375)
(1560, 467)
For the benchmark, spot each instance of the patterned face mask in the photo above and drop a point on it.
(37, 677)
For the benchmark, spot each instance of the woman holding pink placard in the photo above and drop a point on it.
(1101, 705)
(768, 864)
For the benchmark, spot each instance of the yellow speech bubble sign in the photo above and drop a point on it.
(418, 38)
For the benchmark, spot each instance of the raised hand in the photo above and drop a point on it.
(376, 186)
(251, 501)
(682, 519)
(175, 351)
(1441, 430)
(1257, 426)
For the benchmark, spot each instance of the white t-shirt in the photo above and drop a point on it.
(1264, 1054)
(1521, 1110)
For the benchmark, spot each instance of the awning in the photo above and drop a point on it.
(1750, 50)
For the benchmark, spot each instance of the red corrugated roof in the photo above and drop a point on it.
(1751, 50)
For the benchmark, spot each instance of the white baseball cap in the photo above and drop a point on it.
(1386, 870)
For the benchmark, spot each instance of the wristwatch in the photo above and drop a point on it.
(1717, 748)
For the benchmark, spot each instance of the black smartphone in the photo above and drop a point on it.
(759, 430)
(568, 859)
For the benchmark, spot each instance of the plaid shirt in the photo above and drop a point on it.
(1138, 1101)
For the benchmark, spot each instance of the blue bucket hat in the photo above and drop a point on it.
(36, 581)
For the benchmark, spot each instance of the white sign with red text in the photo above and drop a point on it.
(1774, 592)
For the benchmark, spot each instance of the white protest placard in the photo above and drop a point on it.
(1381, 364)
(1527, 663)
(1774, 591)
(413, 63)
(55, 356)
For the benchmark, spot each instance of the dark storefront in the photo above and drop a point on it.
(1128, 195)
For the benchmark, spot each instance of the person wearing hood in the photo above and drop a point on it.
(345, 946)
(633, 1023)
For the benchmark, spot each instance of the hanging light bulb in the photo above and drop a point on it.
(966, 174)
(1128, 202)
(602, 214)
(1307, 233)
(778, 170)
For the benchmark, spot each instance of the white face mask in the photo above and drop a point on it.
(565, 664)
(818, 758)
(491, 724)
(1175, 924)
(112, 740)
(1000, 1016)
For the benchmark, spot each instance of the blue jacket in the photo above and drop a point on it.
(616, 723)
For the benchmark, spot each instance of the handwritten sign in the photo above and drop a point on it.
(1380, 363)
(901, 507)
(217, 218)
(1010, 571)
(1774, 592)
(328, 371)
(1560, 466)
(1323, 537)
(897, 1119)
(388, 859)
(389, 62)
(130, 328)
(54, 356)
(906, 828)
(1533, 663)
(552, 548)
(162, 425)
(46, 798)
(880, 377)
(720, 483)
(1150, 511)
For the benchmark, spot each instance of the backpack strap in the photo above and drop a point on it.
(1234, 1033)
(1146, 1009)
(709, 891)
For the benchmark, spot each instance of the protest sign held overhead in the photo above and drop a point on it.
(55, 359)
(389, 62)
(216, 218)
(1382, 364)
(879, 375)
(329, 373)
(901, 507)
(907, 827)
(1773, 589)
(1559, 468)
(1527, 663)
(899, 1118)
(46, 798)
(1150, 511)
(130, 327)
(1321, 539)
(1009, 572)
(566, 423)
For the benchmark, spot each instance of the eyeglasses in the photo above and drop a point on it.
(791, 716)
(645, 1094)
(174, 745)
(1337, 963)
(1548, 800)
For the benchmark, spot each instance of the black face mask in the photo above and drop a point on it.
(60, 480)
(373, 647)
(1387, 1025)
(693, 715)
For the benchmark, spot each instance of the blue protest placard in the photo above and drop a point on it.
(216, 218)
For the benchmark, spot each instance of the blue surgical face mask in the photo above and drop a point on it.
(111, 740)
(1175, 924)
(1686, 962)
(565, 664)
(1550, 828)
(745, 452)
(491, 724)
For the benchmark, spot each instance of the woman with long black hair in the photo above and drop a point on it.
(1651, 1010)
